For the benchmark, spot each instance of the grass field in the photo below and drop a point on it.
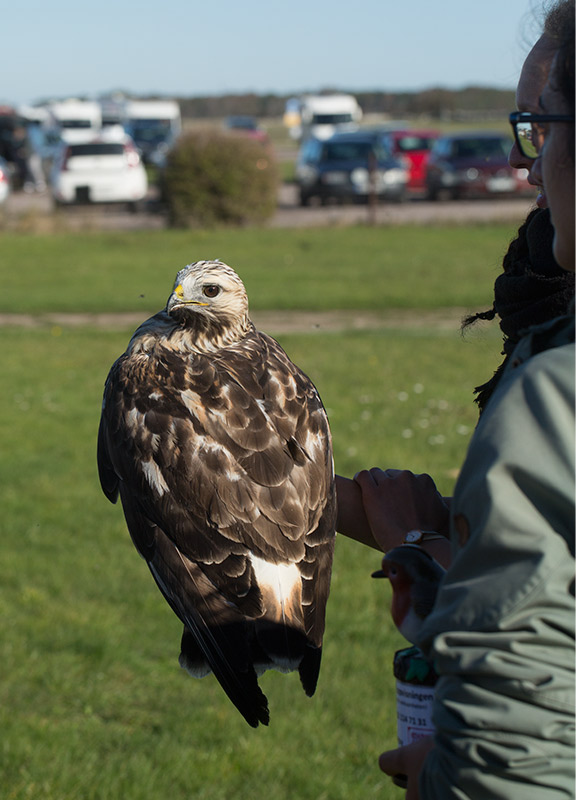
(93, 704)
(361, 267)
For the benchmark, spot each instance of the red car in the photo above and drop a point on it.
(473, 163)
(414, 146)
(246, 126)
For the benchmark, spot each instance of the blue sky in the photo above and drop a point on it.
(189, 48)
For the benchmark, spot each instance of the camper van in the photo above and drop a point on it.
(74, 121)
(154, 125)
(320, 116)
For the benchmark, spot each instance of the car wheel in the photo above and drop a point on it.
(398, 197)
(136, 206)
(304, 199)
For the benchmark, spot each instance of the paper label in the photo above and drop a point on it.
(414, 712)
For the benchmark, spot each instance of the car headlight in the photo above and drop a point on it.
(359, 176)
(306, 174)
(394, 176)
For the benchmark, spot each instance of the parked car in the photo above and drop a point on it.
(473, 163)
(104, 170)
(349, 166)
(246, 126)
(154, 126)
(4, 180)
(415, 147)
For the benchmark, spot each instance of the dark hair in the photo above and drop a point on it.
(559, 26)
(531, 290)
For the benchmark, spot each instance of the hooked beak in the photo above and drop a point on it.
(179, 292)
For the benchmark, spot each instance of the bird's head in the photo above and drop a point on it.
(407, 564)
(415, 578)
(208, 296)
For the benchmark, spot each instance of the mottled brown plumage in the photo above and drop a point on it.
(220, 450)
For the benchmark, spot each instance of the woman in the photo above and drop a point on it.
(380, 506)
(502, 632)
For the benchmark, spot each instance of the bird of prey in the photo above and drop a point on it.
(415, 578)
(220, 451)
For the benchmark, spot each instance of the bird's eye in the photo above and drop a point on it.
(211, 291)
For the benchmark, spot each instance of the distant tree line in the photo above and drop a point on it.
(474, 102)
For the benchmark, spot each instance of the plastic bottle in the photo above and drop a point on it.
(415, 682)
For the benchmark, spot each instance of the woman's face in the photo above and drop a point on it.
(554, 169)
(530, 86)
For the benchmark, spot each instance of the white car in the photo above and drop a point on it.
(104, 170)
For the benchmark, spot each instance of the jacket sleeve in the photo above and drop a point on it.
(502, 631)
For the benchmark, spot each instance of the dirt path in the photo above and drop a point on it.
(274, 322)
(34, 213)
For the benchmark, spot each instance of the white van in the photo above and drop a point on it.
(154, 125)
(320, 116)
(74, 121)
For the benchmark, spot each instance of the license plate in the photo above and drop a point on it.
(105, 192)
(335, 178)
(82, 194)
(500, 184)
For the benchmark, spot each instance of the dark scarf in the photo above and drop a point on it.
(532, 289)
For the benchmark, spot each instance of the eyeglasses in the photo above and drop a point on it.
(529, 131)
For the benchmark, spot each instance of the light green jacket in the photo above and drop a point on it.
(502, 631)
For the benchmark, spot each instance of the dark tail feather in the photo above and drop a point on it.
(240, 685)
(275, 642)
(222, 648)
(309, 669)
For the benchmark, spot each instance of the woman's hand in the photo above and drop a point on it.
(408, 761)
(396, 501)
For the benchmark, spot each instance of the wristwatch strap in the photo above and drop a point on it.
(419, 537)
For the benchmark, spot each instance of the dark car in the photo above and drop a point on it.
(349, 166)
(473, 163)
(246, 126)
(415, 147)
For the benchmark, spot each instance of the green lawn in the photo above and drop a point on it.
(93, 704)
(360, 268)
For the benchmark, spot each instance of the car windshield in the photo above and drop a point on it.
(351, 151)
(153, 131)
(331, 119)
(96, 149)
(76, 124)
(481, 148)
(410, 144)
